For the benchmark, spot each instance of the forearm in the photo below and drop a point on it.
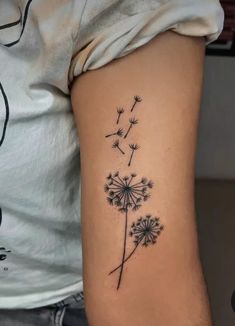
(161, 284)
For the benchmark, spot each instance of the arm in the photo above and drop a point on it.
(160, 281)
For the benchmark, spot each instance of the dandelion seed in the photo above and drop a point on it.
(133, 122)
(137, 99)
(119, 133)
(133, 147)
(120, 111)
(106, 188)
(116, 145)
(144, 180)
(150, 184)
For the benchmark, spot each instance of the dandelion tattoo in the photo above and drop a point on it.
(133, 148)
(120, 111)
(133, 122)
(137, 99)
(116, 145)
(144, 232)
(119, 133)
(125, 194)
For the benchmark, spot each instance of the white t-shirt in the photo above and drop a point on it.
(43, 46)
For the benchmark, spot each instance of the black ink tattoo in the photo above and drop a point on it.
(126, 195)
(145, 231)
(133, 122)
(133, 148)
(137, 99)
(119, 133)
(120, 111)
(116, 145)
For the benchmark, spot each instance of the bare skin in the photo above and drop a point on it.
(161, 284)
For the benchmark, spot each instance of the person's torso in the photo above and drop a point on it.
(40, 254)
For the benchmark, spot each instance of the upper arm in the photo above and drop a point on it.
(159, 279)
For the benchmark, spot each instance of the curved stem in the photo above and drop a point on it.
(124, 250)
(126, 259)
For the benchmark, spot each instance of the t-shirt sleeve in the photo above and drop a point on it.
(111, 29)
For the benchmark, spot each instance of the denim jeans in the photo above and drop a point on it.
(69, 312)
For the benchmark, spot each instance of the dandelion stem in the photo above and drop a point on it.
(137, 99)
(119, 114)
(126, 259)
(120, 111)
(128, 131)
(120, 150)
(124, 250)
(111, 135)
(131, 157)
(133, 106)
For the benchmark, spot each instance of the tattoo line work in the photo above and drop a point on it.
(126, 195)
(133, 121)
(145, 231)
(133, 148)
(116, 145)
(137, 99)
(120, 111)
(119, 133)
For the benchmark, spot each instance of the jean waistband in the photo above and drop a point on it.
(76, 299)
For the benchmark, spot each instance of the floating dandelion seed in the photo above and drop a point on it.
(120, 111)
(126, 195)
(116, 145)
(119, 133)
(145, 231)
(133, 147)
(137, 99)
(132, 121)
